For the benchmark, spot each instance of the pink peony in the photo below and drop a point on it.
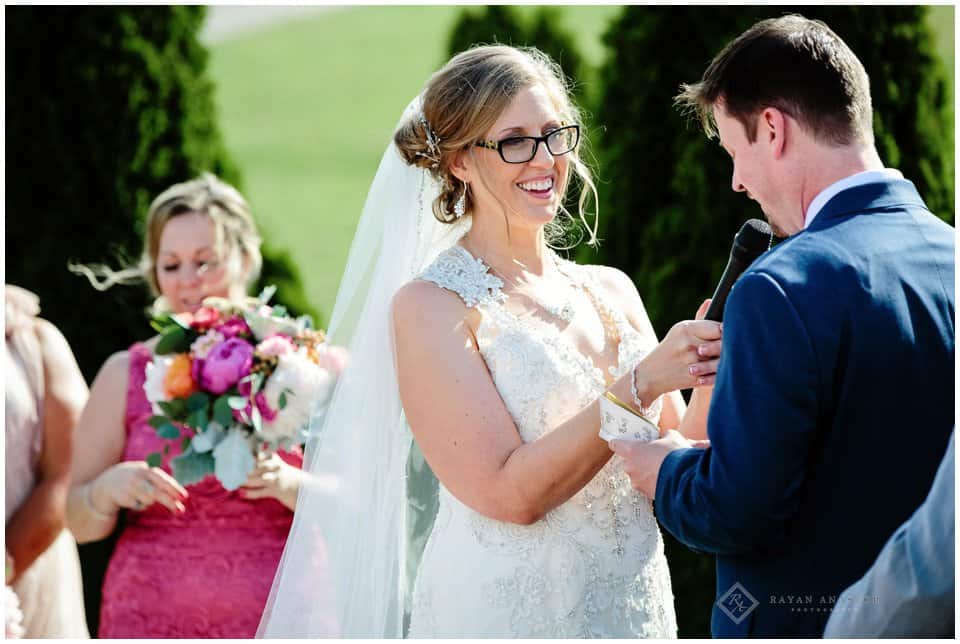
(202, 345)
(276, 345)
(225, 365)
(234, 326)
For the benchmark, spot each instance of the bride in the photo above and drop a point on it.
(466, 328)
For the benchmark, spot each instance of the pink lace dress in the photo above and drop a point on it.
(206, 573)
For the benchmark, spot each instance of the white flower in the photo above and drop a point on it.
(13, 616)
(153, 383)
(233, 458)
(202, 345)
(264, 324)
(219, 303)
(304, 383)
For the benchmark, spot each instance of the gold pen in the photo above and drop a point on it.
(619, 403)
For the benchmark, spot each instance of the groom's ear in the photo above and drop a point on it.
(772, 126)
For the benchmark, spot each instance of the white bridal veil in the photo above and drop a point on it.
(345, 569)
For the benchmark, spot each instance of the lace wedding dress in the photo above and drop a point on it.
(592, 567)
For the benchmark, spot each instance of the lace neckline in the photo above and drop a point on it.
(588, 362)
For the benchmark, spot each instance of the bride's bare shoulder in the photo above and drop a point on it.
(426, 305)
(614, 281)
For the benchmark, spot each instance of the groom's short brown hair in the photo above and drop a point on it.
(796, 65)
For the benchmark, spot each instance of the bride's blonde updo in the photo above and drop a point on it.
(463, 100)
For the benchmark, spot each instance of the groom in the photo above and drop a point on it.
(835, 393)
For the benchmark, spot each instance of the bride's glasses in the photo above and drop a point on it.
(520, 149)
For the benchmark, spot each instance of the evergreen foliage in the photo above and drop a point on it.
(668, 214)
(106, 107)
(503, 24)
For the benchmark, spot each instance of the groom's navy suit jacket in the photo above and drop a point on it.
(833, 406)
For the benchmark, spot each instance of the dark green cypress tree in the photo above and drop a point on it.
(486, 25)
(668, 214)
(105, 108)
(505, 25)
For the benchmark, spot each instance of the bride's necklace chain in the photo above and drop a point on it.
(566, 311)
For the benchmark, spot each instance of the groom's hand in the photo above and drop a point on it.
(642, 461)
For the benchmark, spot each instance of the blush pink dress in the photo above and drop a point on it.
(204, 574)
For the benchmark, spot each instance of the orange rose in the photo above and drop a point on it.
(178, 382)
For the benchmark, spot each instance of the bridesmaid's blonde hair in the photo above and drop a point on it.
(237, 239)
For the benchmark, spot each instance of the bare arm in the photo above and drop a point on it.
(41, 518)
(100, 440)
(464, 429)
(690, 421)
(102, 482)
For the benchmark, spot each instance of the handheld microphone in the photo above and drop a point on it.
(752, 240)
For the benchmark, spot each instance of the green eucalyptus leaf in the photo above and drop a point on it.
(191, 467)
(267, 293)
(233, 459)
(256, 383)
(171, 340)
(158, 421)
(197, 401)
(222, 412)
(199, 419)
(256, 420)
(209, 438)
(180, 323)
(175, 409)
(168, 431)
(237, 402)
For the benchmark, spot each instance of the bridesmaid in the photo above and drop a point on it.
(44, 393)
(194, 561)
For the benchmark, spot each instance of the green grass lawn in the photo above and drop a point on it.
(307, 109)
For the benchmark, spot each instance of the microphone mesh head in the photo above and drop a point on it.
(753, 239)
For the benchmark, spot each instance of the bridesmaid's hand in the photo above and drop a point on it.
(274, 478)
(135, 485)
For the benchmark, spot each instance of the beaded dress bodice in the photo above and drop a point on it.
(592, 567)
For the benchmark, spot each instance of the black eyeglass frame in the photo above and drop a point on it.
(498, 145)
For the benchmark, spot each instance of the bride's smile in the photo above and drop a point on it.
(527, 179)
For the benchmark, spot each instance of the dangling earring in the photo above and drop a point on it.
(460, 207)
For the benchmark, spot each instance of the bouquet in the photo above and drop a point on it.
(235, 379)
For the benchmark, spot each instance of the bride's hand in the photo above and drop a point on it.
(686, 357)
